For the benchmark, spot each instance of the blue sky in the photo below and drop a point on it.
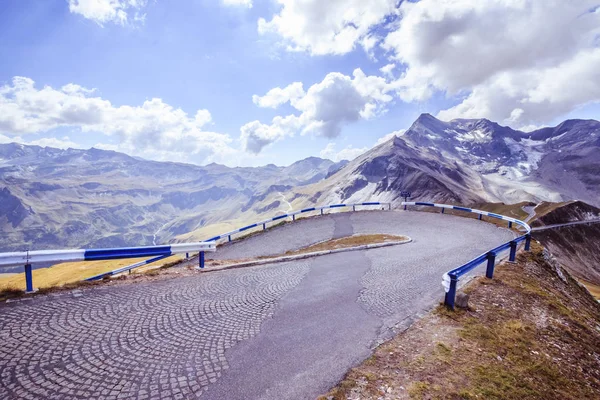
(214, 55)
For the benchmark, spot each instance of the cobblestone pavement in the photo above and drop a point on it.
(280, 331)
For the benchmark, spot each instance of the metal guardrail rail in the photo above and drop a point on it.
(156, 253)
(451, 278)
(240, 230)
(28, 258)
(293, 216)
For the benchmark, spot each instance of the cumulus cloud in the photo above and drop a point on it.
(519, 62)
(154, 129)
(243, 3)
(327, 27)
(103, 11)
(278, 96)
(538, 61)
(348, 153)
(323, 109)
(388, 69)
(60, 143)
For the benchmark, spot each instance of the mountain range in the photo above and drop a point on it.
(95, 198)
(468, 161)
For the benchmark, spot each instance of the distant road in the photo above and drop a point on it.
(530, 210)
(280, 331)
(589, 221)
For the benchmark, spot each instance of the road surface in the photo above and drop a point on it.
(279, 331)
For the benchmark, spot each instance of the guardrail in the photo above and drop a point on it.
(293, 216)
(245, 228)
(450, 279)
(28, 258)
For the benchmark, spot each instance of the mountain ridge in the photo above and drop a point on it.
(102, 198)
(484, 160)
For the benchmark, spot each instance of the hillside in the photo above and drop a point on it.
(96, 198)
(576, 247)
(471, 161)
(530, 333)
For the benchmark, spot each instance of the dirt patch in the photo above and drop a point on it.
(346, 242)
(334, 244)
(591, 287)
(530, 333)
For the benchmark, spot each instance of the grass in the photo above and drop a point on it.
(509, 210)
(527, 335)
(345, 242)
(65, 273)
(592, 288)
(341, 243)
(546, 207)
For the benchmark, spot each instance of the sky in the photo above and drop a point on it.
(253, 82)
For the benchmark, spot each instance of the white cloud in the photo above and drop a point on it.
(388, 69)
(324, 108)
(103, 11)
(256, 135)
(348, 153)
(518, 61)
(278, 96)
(59, 143)
(155, 129)
(327, 27)
(243, 3)
(390, 135)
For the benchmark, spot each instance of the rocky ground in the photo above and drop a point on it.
(530, 333)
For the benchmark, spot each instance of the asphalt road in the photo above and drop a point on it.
(279, 331)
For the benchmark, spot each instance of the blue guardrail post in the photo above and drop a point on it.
(451, 294)
(513, 251)
(491, 257)
(28, 279)
(201, 259)
(528, 242)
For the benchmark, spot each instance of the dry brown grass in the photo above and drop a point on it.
(341, 243)
(527, 335)
(66, 273)
(345, 242)
(509, 210)
(592, 288)
(546, 207)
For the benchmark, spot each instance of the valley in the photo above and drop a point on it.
(52, 198)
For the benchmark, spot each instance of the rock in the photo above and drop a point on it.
(462, 300)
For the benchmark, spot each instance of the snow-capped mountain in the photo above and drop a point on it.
(96, 198)
(473, 160)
